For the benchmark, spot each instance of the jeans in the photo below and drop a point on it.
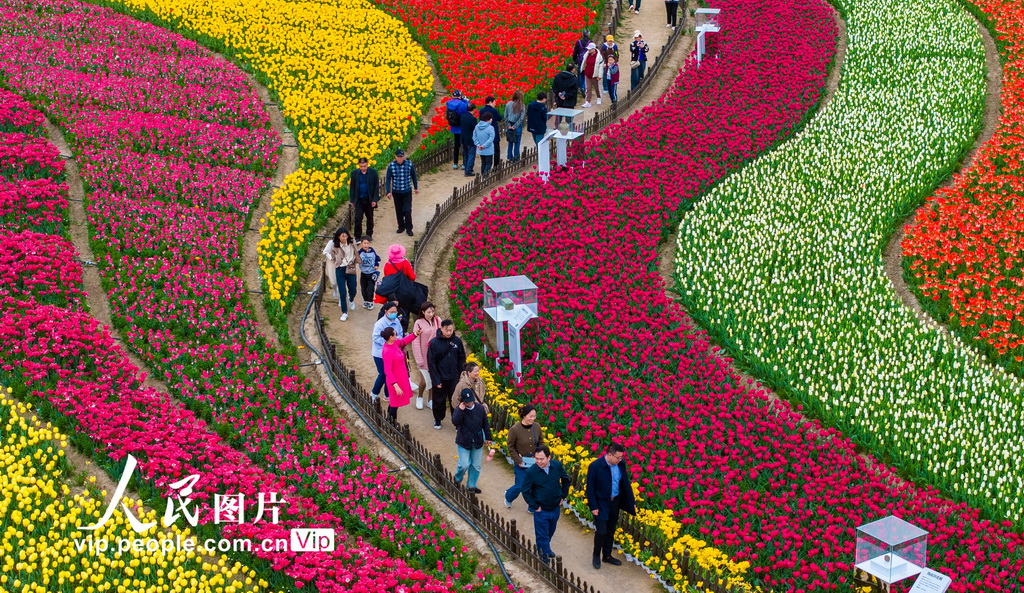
(403, 209)
(637, 74)
(380, 382)
(520, 472)
(537, 138)
(604, 535)
(514, 141)
(468, 158)
(346, 287)
(544, 524)
(581, 81)
(612, 90)
(671, 9)
(469, 459)
(486, 162)
(442, 397)
(363, 209)
(456, 146)
(366, 284)
(636, 5)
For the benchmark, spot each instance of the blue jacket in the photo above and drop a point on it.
(536, 117)
(546, 489)
(459, 106)
(599, 488)
(483, 135)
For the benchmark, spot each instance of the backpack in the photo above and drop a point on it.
(453, 117)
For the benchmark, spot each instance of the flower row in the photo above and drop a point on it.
(962, 251)
(783, 263)
(619, 360)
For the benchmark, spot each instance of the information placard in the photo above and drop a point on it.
(930, 581)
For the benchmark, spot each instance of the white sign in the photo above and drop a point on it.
(930, 581)
(519, 319)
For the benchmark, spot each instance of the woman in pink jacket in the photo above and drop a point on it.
(428, 324)
(395, 372)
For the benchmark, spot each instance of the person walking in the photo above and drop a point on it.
(611, 79)
(496, 119)
(471, 379)
(515, 116)
(523, 439)
(454, 110)
(545, 487)
(396, 263)
(363, 193)
(472, 431)
(343, 256)
(400, 182)
(468, 124)
(635, 6)
(483, 137)
(369, 264)
(396, 373)
(609, 48)
(427, 327)
(671, 10)
(578, 49)
(446, 357)
(388, 319)
(537, 118)
(638, 59)
(565, 85)
(592, 68)
(609, 491)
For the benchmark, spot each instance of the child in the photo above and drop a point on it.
(611, 79)
(369, 263)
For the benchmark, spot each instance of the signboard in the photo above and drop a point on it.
(515, 353)
(930, 581)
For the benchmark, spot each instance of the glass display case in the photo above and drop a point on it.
(504, 297)
(891, 549)
(707, 19)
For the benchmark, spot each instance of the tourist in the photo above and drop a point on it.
(537, 118)
(523, 439)
(564, 85)
(369, 266)
(638, 59)
(399, 183)
(454, 110)
(363, 192)
(472, 431)
(515, 116)
(593, 70)
(609, 490)
(343, 257)
(578, 49)
(389, 318)
(471, 379)
(396, 373)
(671, 9)
(468, 123)
(609, 48)
(396, 263)
(426, 327)
(545, 487)
(446, 358)
(483, 138)
(611, 80)
(496, 120)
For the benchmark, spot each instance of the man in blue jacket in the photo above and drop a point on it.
(537, 117)
(454, 110)
(609, 490)
(545, 486)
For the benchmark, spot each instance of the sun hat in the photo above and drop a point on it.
(396, 253)
(637, 34)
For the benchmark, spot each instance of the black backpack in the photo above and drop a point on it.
(453, 117)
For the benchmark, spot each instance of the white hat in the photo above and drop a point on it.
(636, 34)
(591, 46)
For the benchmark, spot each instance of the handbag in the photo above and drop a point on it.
(634, 64)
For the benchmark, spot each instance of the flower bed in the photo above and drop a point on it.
(619, 360)
(249, 395)
(962, 252)
(37, 483)
(786, 269)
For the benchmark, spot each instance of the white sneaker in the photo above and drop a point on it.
(636, 12)
(369, 306)
(599, 100)
(430, 404)
(351, 305)
(374, 397)
(414, 386)
(668, 25)
(508, 504)
(344, 316)
(419, 403)
(437, 427)
(587, 104)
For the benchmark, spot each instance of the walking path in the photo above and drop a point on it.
(352, 337)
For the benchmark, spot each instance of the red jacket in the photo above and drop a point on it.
(389, 268)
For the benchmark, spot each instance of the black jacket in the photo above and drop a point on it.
(536, 117)
(467, 121)
(546, 490)
(446, 358)
(599, 487)
(471, 427)
(373, 185)
(495, 119)
(565, 82)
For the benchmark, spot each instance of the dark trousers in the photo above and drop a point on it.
(612, 89)
(456, 146)
(468, 158)
(544, 525)
(514, 141)
(366, 285)
(537, 138)
(363, 208)
(497, 148)
(393, 413)
(380, 382)
(637, 74)
(671, 9)
(486, 162)
(442, 397)
(403, 209)
(604, 535)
